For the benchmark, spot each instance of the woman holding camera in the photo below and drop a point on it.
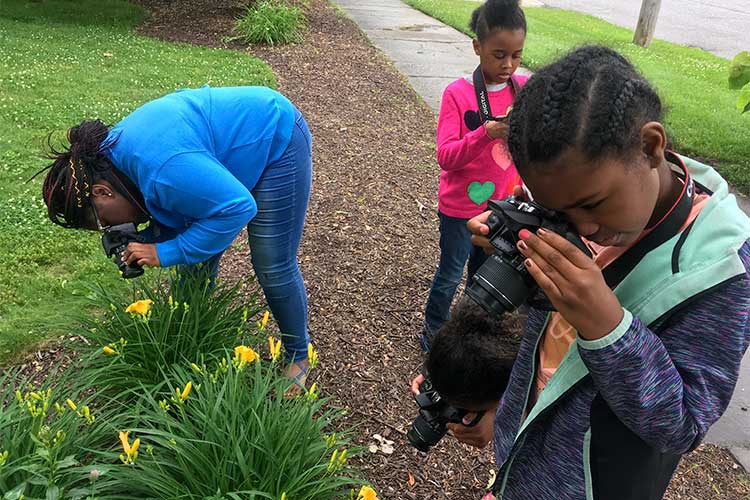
(199, 165)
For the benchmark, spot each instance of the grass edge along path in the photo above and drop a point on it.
(60, 63)
(701, 116)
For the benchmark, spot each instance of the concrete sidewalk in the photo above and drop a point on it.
(427, 51)
(432, 55)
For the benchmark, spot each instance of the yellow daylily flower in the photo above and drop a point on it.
(124, 441)
(72, 405)
(141, 307)
(264, 321)
(367, 493)
(275, 347)
(131, 451)
(108, 351)
(244, 354)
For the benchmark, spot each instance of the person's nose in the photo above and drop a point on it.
(586, 228)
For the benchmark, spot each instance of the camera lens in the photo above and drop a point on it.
(128, 272)
(424, 436)
(499, 287)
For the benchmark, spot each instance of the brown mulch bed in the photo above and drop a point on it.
(370, 247)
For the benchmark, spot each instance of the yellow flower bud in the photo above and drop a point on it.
(186, 391)
(275, 348)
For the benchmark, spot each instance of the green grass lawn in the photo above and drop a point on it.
(701, 118)
(62, 62)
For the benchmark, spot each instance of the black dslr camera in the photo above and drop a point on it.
(434, 413)
(115, 240)
(503, 283)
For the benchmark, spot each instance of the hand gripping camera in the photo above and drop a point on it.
(503, 283)
(115, 240)
(434, 413)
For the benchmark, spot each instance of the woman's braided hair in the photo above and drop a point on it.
(497, 14)
(592, 100)
(67, 187)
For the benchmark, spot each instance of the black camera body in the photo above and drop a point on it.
(503, 283)
(434, 413)
(115, 240)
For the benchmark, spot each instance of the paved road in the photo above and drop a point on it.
(431, 55)
(719, 26)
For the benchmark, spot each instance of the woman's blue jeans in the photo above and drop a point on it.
(455, 249)
(282, 195)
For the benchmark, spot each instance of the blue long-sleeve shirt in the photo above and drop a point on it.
(196, 155)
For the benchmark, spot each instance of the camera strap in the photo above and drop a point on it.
(665, 229)
(480, 89)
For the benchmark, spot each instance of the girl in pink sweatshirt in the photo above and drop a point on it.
(472, 152)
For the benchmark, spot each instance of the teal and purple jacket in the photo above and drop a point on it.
(619, 412)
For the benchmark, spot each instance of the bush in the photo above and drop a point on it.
(739, 78)
(184, 320)
(269, 22)
(227, 431)
(47, 436)
(161, 410)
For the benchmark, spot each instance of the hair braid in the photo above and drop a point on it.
(67, 187)
(592, 99)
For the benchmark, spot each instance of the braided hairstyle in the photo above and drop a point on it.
(592, 100)
(67, 187)
(497, 14)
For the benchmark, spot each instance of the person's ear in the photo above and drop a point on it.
(100, 190)
(653, 143)
(477, 46)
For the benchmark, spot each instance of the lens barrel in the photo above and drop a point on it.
(424, 436)
(498, 287)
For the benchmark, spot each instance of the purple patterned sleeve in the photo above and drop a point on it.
(671, 387)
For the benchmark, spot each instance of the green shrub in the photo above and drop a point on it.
(739, 78)
(227, 431)
(47, 436)
(184, 320)
(269, 22)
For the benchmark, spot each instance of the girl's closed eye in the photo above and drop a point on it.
(594, 205)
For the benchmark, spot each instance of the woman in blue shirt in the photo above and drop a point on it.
(200, 165)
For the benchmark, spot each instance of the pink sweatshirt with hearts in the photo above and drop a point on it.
(474, 167)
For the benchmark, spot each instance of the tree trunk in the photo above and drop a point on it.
(644, 32)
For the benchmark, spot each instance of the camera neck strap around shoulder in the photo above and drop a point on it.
(664, 229)
(480, 89)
